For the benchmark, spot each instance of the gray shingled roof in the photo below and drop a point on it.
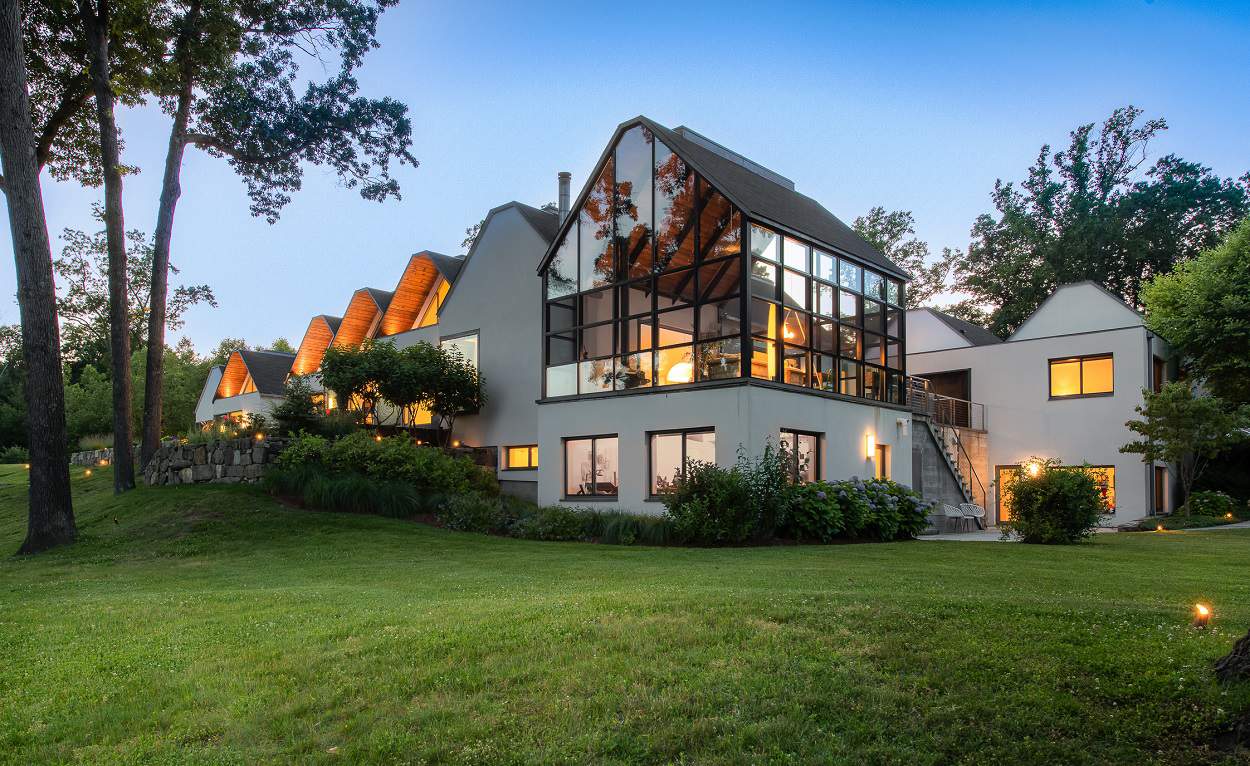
(447, 265)
(546, 224)
(381, 297)
(268, 369)
(973, 333)
(332, 322)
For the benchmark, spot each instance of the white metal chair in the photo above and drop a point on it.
(975, 512)
(954, 514)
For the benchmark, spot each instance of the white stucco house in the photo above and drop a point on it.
(688, 303)
(1061, 386)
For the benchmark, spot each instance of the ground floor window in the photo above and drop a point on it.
(669, 452)
(881, 465)
(591, 466)
(804, 451)
(1104, 479)
(522, 457)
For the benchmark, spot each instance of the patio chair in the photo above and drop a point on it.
(954, 514)
(976, 512)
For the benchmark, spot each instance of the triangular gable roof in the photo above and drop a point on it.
(419, 278)
(317, 338)
(973, 333)
(545, 224)
(1087, 320)
(366, 304)
(757, 195)
(267, 368)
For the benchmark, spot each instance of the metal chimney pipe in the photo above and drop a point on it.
(565, 180)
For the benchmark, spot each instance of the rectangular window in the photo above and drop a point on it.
(669, 452)
(1159, 374)
(465, 345)
(1081, 376)
(591, 468)
(803, 449)
(520, 458)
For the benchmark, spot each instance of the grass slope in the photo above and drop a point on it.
(210, 625)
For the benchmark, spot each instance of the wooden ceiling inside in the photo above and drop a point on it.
(316, 340)
(232, 378)
(418, 279)
(356, 320)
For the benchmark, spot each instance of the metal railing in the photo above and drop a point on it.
(963, 464)
(944, 410)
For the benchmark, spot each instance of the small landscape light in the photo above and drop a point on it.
(1159, 528)
(260, 437)
(377, 437)
(28, 466)
(103, 463)
(87, 473)
(1228, 516)
(1202, 615)
(456, 443)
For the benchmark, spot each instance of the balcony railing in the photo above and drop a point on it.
(944, 410)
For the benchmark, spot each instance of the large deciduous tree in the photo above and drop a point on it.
(1089, 212)
(229, 87)
(1202, 309)
(50, 519)
(894, 234)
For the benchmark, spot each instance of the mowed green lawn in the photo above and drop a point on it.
(211, 625)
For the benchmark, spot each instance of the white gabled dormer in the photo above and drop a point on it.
(1076, 308)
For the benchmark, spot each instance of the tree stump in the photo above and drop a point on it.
(1235, 665)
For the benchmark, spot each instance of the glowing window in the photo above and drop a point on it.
(591, 467)
(520, 458)
(1081, 376)
(671, 452)
(803, 449)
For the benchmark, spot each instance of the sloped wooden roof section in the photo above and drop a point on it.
(367, 303)
(419, 278)
(317, 338)
(267, 368)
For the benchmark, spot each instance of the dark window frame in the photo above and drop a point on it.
(819, 456)
(594, 439)
(533, 453)
(1081, 359)
(684, 432)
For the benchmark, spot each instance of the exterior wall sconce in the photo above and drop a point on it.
(870, 446)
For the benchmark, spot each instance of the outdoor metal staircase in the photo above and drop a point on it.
(944, 416)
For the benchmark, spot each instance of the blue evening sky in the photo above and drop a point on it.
(916, 106)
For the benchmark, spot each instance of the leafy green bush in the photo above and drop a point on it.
(95, 441)
(391, 459)
(14, 454)
(1061, 504)
(816, 513)
(553, 522)
(712, 505)
(474, 513)
(1209, 503)
(878, 509)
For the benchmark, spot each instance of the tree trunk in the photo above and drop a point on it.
(1235, 666)
(96, 26)
(171, 190)
(51, 512)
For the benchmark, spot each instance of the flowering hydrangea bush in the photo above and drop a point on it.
(877, 509)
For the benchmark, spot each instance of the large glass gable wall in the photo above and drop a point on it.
(647, 289)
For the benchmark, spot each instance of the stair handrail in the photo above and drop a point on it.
(945, 410)
(961, 456)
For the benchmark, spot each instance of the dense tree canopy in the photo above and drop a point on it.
(1088, 213)
(1202, 309)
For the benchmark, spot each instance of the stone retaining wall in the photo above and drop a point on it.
(228, 461)
(91, 457)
